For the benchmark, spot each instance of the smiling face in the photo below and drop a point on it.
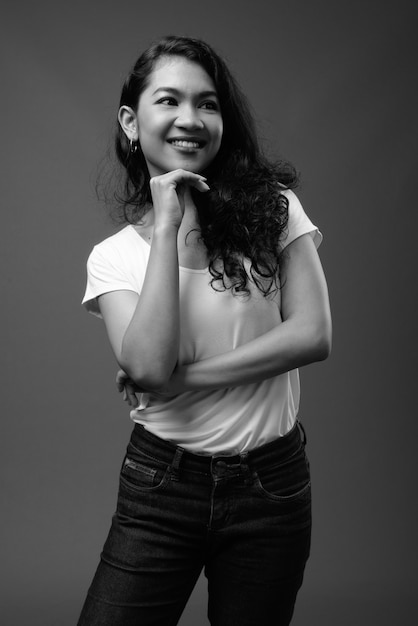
(178, 121)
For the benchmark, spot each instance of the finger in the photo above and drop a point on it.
(179, 177)
(132, 399)
(197, 183)
(200, 185)
(121, 377)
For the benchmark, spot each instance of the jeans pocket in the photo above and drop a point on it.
(139, 477)
(287, 482)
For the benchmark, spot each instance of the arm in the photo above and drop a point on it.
(144, 330)
(303, 337)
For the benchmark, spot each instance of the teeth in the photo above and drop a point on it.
(185, 144)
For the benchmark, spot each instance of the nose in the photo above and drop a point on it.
(188, 118)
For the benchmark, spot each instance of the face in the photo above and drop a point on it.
(178, 120)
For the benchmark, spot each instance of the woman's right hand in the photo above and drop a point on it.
(168, 195)
(144, 330)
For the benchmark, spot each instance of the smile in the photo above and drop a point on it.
(187, 144)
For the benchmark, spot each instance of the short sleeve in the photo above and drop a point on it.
(105, 273)
(299, 223)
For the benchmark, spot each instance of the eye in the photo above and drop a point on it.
(168, 100)
(210, 105)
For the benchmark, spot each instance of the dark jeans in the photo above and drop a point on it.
(246, 519)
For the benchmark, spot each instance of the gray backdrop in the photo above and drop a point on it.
(333, 87)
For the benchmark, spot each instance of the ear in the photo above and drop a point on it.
(127, 120)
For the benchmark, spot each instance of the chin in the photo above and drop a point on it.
(195, 165)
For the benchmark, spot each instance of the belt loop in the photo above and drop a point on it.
(175, 466)
(302, 433)
(244, 465)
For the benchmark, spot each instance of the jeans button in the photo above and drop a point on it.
(221, 467)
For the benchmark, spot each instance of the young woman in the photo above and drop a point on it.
(212, 296)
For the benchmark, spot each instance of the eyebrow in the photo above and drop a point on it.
(177, 92)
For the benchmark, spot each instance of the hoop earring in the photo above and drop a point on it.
(133, 146)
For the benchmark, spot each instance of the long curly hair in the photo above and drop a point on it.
(244, 215)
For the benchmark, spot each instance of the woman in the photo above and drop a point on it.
(212, 296)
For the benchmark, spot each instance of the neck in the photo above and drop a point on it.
(190, 220)
(190, 210)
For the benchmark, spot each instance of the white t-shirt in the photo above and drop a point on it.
(230, 420)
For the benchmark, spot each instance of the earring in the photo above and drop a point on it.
(133, 146)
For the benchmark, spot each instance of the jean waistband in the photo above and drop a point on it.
(268, 454)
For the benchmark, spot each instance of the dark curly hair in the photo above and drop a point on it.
(245, 214)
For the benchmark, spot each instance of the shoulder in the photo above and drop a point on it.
(117, 263)
(298, 222)
(121, 247)
(115, 242)
(296, 211)
(293, 200)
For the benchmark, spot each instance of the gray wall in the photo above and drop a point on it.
(333, 87)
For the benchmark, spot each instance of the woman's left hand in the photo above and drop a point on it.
(129, 388)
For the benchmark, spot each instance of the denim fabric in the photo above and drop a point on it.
(246, 519)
